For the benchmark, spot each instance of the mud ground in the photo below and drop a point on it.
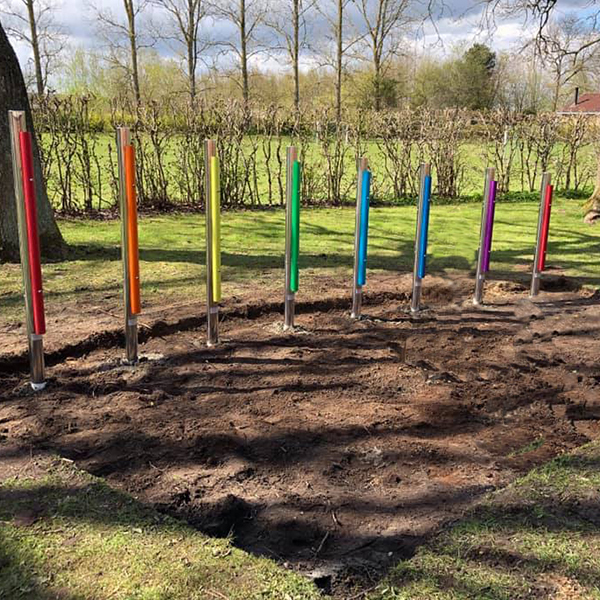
(336, 449)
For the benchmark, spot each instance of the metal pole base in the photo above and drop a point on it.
(36, 360)
(131, 340)
(356, 304)
(288, 321)
(535, 285)
(415, 305)
(478, 297)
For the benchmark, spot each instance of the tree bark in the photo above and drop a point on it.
(133, 43)
(35, 46)
(13, 96)
(339, 64)
(244, 53)
(296, 52)
(592, 206)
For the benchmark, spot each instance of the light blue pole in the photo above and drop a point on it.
(423, 234)
(364, 228)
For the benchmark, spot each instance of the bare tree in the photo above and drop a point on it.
(542, 13)
(383, 24)
(291, 35)
(185, 18)
(247, 17)
(334, 44)
(566, 53)
(124, 34)
(32, 23)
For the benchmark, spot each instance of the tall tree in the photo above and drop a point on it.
(335, 43)
(185, 18)
(291, 34)
(32, 22)
(13, 96)
(247, 18)
(383, 24)
(123, 34)
(473, 79)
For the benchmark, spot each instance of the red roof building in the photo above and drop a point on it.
(587, 104)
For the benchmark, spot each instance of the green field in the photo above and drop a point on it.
(172, 250)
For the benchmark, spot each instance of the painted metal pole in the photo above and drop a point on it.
(364, 229)
(212, 195)
(489, 227)
(481, 252)
(18, 126)
(545, 228)
(363, 165)
(418, 270)
(125, 177)
(289, 295)
(536, 272)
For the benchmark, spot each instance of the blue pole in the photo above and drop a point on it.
(424, 227)
(364, 229)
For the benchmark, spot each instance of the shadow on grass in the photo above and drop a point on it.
(539, 538)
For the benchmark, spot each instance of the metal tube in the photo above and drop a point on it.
(536, 273)
(131, 330)
(417, 281)
(480, 276)
(17, 123)
(363, 165)
(212, 307)
(289, 295)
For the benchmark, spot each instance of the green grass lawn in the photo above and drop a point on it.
(172, 250)
(66, 535)
(538, 538)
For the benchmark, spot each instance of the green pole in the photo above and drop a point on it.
(295, 233)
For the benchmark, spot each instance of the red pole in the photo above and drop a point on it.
(545, 228)
(35, 267)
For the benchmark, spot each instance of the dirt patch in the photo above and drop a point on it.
(336, 449)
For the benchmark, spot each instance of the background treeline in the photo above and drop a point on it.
(79, 152)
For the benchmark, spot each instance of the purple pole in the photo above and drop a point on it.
(489, 227)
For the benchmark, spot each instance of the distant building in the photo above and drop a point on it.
(585, 104)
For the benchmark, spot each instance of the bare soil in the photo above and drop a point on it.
(335, 449)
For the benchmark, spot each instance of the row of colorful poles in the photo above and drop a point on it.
(30, 252)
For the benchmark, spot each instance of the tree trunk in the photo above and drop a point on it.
(13, 96)
(191, 49)
(130, 10)
(296, 49)
(340, 51)
(592, 206)
(35, 45)
(244, 53)
(377, 82)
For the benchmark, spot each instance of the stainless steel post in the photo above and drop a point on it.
(18, 123)
(536, 273)
(131, 329)
(363, 165)
(289, 297)
(212, 307)
(415, 304)
(480, 277)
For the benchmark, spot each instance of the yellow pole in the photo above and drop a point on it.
(215, 219)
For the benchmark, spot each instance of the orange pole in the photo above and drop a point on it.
(132, 231)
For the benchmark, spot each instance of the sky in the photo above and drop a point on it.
(459, 23)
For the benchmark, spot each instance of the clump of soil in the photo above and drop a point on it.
(336, 449)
